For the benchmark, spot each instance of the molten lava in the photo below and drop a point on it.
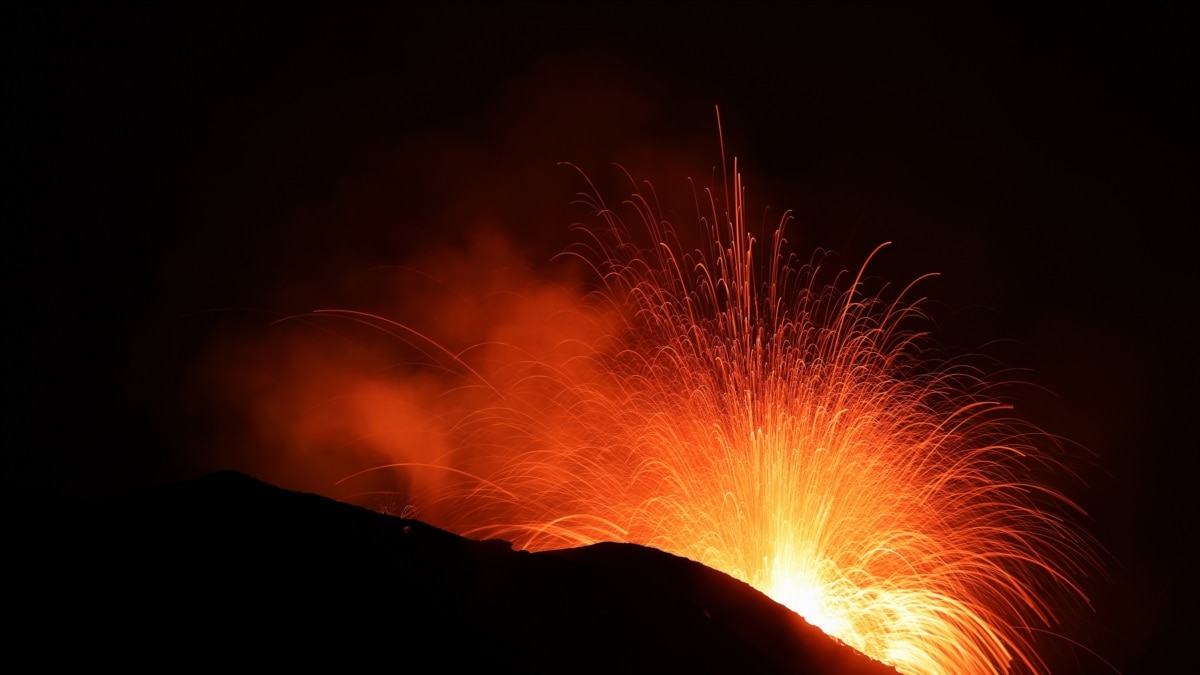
(795, 433)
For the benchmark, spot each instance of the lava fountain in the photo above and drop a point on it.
(735, 406)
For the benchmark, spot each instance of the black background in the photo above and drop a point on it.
(165, 163)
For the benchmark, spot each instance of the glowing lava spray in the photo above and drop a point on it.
(795, 434)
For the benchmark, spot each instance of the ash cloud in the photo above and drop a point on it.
(449, 239)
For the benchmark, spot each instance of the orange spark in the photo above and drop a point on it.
(793, 433)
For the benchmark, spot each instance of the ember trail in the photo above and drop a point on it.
(725, 405)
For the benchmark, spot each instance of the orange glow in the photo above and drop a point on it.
(729, 406)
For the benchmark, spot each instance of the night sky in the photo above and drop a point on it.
(180, 175)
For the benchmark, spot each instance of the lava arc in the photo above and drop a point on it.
(792, 428)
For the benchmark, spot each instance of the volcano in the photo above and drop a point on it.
(227, 567)
(187, 174)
